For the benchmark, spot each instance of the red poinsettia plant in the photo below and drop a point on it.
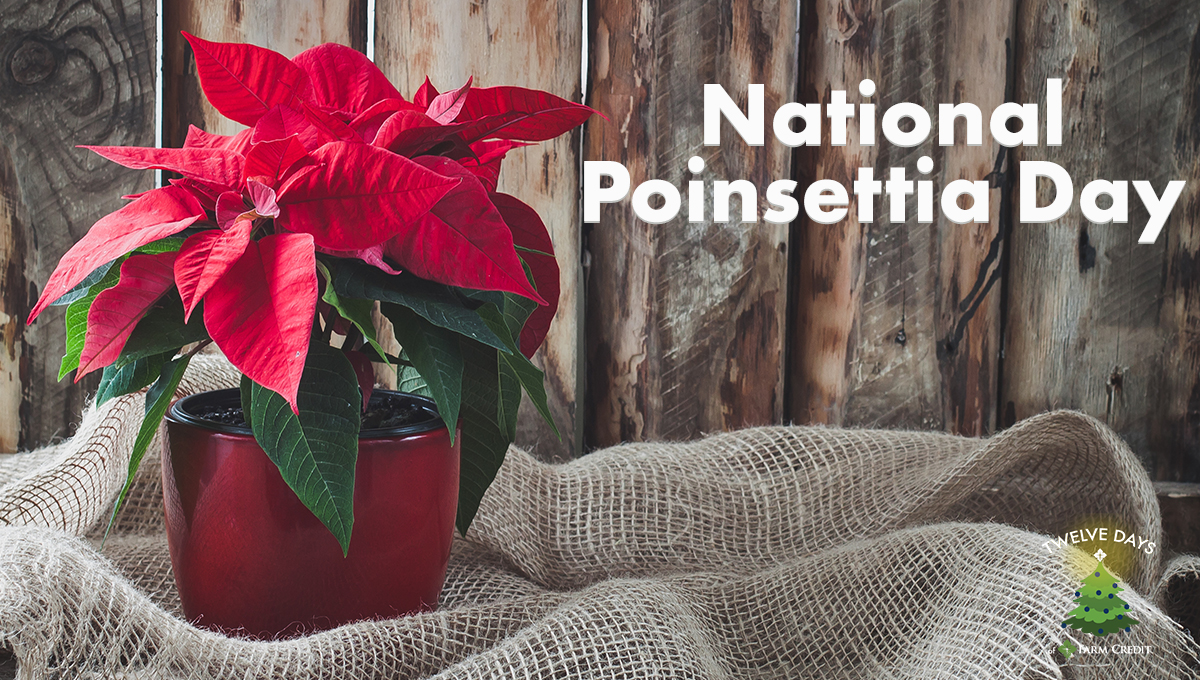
(339, 195)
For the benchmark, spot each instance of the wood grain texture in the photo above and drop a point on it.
(1098, 322)
(897, 324)
(685, 321)
(528, 43)
(1174, 437)
(72, 74)
(286, 26)
(1180, 507)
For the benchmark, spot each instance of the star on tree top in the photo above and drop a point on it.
(1100, 555)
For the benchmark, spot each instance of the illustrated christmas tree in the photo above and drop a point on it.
(1101, 610)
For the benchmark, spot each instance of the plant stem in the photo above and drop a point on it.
(199, 346)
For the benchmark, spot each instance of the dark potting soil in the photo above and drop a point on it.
(226, 415)
(385, 411)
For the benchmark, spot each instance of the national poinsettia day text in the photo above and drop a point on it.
(827, 201)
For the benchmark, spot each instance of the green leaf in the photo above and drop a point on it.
(158, 398)
(509, 403)
(496, 320)
(488, 420)
(408, 379)
(357, 312)
(170, 244)
(513, 309)
(514, 364)
(77, 313)
(316, 452)
(482, 297)
(434, 302)
(127, 379)
(534, 382)
(163, 330)
(84, 288)
(434, 354)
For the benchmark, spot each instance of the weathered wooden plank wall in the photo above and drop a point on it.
(897, 324)
(528, 43)
(685, 321)
(1097, 321)
(687, 324)
(72, 74)
(1175, 416)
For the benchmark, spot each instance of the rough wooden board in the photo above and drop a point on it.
(897, 325)
(286, 26)
(73, 74)
(1180, 505)
(1087, 327)
(528, 43)
(967, 337)
(1175, 413)
(829, 262)
(385, 375)
(685, 321)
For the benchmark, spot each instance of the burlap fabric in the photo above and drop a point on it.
(771, 552)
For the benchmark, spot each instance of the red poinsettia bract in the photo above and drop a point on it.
(334, 161)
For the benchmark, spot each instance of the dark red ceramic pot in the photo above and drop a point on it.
(251, 560)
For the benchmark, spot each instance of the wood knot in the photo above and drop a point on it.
(32, 62)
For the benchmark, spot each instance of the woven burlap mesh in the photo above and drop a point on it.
(789, 552)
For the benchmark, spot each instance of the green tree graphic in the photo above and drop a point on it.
(1101, 611)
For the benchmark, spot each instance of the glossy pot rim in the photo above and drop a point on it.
(232, 396)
